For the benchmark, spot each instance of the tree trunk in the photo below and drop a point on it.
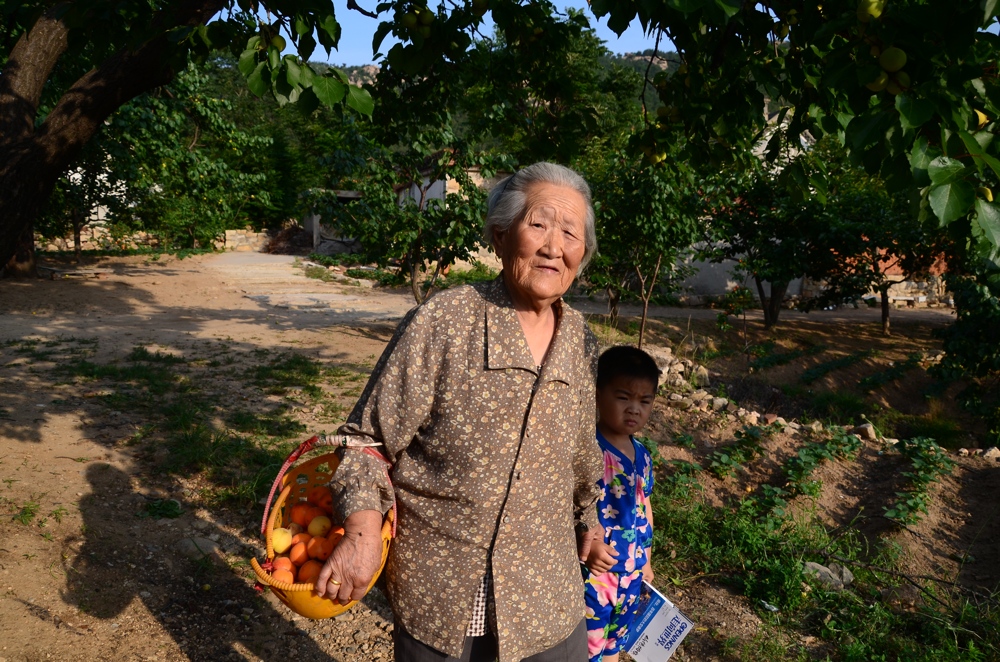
(647, 294)
(763, 302)
(778, 290)
(32, 158)
(884, 291)
(77, 229)
(22, 263)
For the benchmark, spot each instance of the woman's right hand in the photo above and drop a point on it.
(602, 556)
(355, 560)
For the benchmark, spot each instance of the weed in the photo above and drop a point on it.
(684, 440)
(140, 353)
(162, 508)
(58, 514)
(890, 374)
(837, 406)
(27, 512)
(767, 360)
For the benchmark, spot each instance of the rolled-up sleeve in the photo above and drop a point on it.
(396, 402)
(588, 462)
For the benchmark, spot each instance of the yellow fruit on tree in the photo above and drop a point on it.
(892, 59)
(899, 83)
(879, 82)
(278, 42)
(409, 20)
(981, 118)
(869, 9)
(985, 193)
(426, 17)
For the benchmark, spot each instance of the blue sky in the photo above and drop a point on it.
(356, 39)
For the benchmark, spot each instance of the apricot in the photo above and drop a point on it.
(309, 572)
(283, 563)
(301, 537)
(319, 548)
(283, 576)
(320, 526)
(281, 540)
(301, 513)
(322, 497)
(336, 533)
(298, 553)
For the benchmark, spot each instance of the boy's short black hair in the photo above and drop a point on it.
(626, 361)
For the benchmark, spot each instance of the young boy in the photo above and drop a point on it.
(626, 386)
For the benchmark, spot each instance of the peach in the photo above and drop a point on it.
(281, 540)
(283, 576)
(298, 554)
(283, 563)
(322, 497)
(320, 526)
(319, 548)
(302, 513)
(309, 572)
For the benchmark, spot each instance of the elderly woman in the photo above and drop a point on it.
(484, 404)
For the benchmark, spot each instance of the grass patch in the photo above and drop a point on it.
(289, 370)
(477, 274)
(765, 359)
(837, 406)
(825, 368)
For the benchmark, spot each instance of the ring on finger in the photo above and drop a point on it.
(334, 582)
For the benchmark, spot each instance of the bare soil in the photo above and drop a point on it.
(85, 578)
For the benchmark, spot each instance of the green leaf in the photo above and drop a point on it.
(729, 7)
(913, 112)
(951, 201)
(380, 33)
(944, 169)
(248, 62)
(293, 72)
(308, 102)
(685, 6)
(256, 80)
(306, 47)
(989, 10)
(988, 218)
(302, 26)
(359, 99)
(274, 57)
(328, 90)
(329, 31)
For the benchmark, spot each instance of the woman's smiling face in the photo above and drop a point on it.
(542, 252)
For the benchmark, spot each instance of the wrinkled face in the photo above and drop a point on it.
(625, 404)
(542, 252)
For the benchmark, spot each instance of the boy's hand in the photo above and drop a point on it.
(602, 556)
(647, 572)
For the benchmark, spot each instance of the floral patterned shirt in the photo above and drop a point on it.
(493, 464)
(626, 487)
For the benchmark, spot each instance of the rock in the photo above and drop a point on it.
(752, 418)
(888, 441)
(700, 376)
(674, 380)
(815, 426)
(701, 394)
(663, 356)
(674, 396)
(770, 418)
(197, 548)
(683, 404)
(992, 454)
(976, 452)
(963, 452)
(792, 425)
(780, 421)
(843, 573)
(677, 368)
(866, 431)
(823, 575)
(719, 404)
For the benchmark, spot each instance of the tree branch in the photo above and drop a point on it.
(353, 4)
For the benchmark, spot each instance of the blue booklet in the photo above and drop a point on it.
(658, 628)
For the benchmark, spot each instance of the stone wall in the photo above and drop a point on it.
(243, 241)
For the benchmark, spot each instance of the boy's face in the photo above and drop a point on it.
(625, 403)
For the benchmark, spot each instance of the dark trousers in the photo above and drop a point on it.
(484, 649)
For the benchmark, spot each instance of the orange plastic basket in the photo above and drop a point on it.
(295, 484)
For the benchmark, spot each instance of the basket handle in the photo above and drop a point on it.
(342, 441)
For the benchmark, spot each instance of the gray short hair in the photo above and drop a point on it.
(508, 200)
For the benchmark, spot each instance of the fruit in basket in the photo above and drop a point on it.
(301, 537)
(302, 513)
(309, 572)
(295, 528)
(320, 526)
(298, 554)
(319, 548)
(281, 540)
(322, 497)
(283, 576)
(283, 563)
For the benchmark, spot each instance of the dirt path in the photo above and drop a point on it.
(83, 578)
